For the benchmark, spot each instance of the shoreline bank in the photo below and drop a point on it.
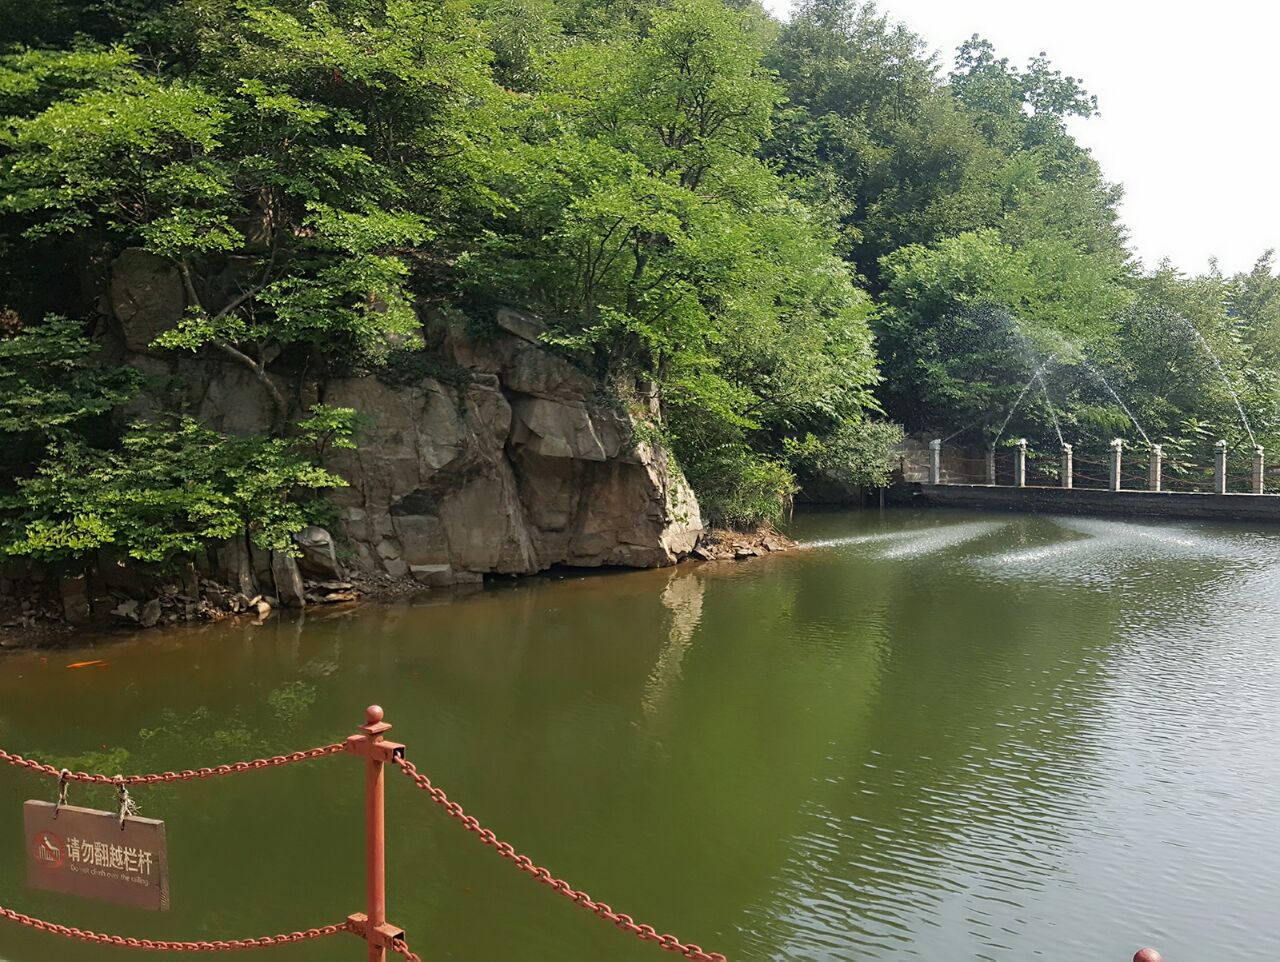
(35, 620)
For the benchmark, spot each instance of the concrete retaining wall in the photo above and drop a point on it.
(1153, 504)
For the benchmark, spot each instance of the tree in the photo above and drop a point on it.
(1184, 360)
(72, 488)
(1048, 184)
(61, 23)
(1254, 298)
(664, 251)
(900, 157)
(289, 176)
(49, 384)
(874, 135)
(292, 161)
(52, 390)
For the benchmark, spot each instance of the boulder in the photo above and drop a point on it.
(559, 429)
(332, 597)
(188, 579)
(261, 564)
(235, 566)
(147, 297)
(512, 474)
(517, 464)
(319, 554)
(288, 580)
(120, 578)
(127, 610)
(527, 327)
(529, 369)
(443, 576)
(234, 401)
(330, 585)
(149, 616)
(74, 590)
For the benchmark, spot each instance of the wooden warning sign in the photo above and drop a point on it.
(84, 852)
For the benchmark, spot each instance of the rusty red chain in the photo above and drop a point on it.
(163, 945)
(401, 948)
(234, 768)
(646, 933)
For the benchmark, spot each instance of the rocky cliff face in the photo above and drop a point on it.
(511, 465)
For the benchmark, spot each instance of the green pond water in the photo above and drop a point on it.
(941, 736)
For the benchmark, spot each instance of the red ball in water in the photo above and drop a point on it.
(1147, 955)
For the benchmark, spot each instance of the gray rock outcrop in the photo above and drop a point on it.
(74, 591)
(519, 469)
(513, 462)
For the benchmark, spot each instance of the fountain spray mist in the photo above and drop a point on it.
(1053, 414)
(1025, 388)
(1124, 407)
(1217, 362)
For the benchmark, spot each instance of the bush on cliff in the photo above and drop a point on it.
(168, 490)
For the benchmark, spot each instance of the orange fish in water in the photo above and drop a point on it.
(87, 664)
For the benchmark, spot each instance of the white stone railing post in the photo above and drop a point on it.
(991, 465)
(1220, 468)
(1259, 470)
(1020, 464)
(1067, 468)
(1156, 479)
(1117, 451)
(935, 461)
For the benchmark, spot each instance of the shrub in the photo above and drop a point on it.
(168, 490)
(740, 488)
(859, 453)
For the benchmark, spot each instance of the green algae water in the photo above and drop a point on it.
(939, 736)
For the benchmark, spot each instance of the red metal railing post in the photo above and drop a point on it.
(375, 823)
(372, 924)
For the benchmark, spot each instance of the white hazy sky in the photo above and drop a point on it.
(1187, 94)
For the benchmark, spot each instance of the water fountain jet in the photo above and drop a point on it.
(1222, 373)
(1053, 414)
(1124, 407)
(1025, 388)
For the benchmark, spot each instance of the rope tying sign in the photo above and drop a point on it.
(128, 807)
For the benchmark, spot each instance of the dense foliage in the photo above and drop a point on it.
(771, 240)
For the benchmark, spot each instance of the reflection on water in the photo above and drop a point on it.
(934, 736)
(683, 597)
